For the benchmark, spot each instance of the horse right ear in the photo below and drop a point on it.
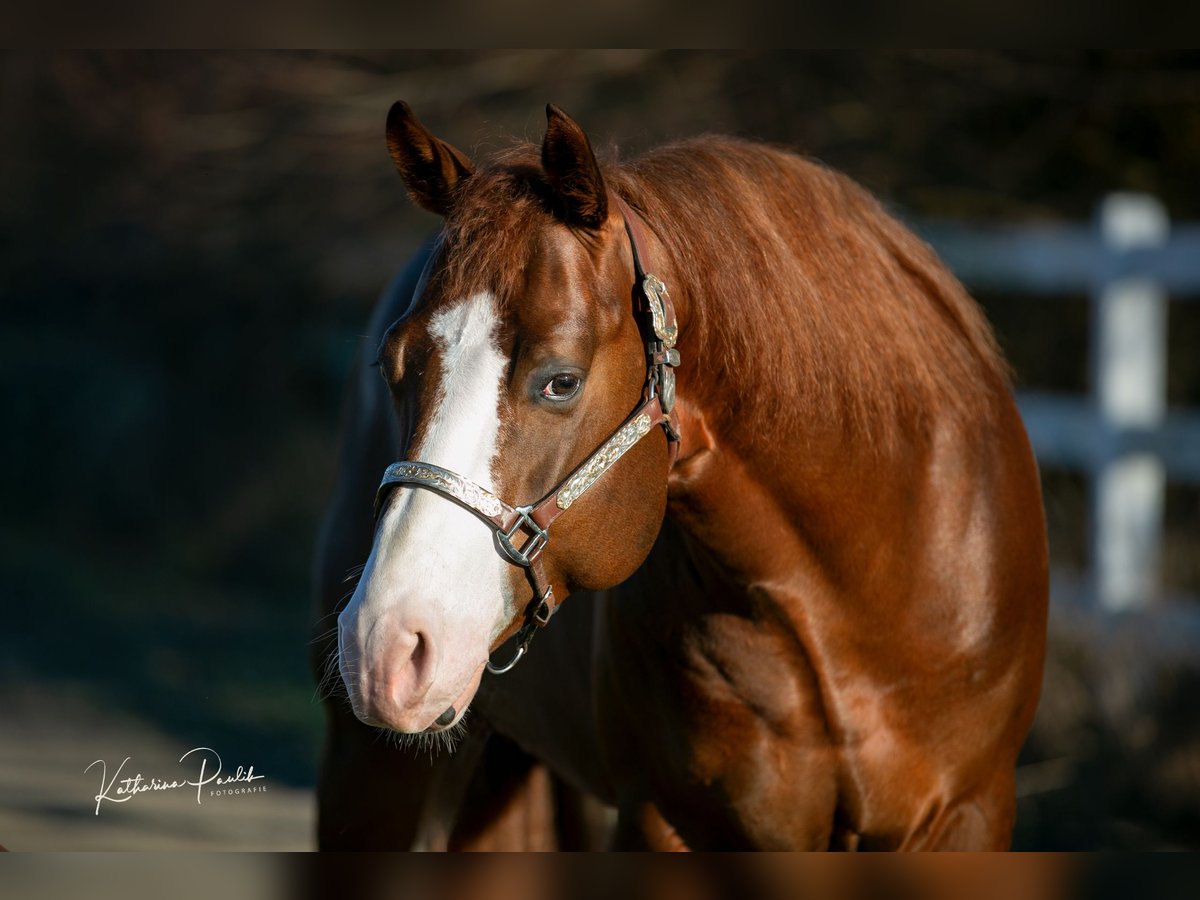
(431, 168)
(571, 166)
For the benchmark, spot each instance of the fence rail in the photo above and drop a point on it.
(1061, 259)
(1132, 263)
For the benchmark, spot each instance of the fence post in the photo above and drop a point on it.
(1129, 352)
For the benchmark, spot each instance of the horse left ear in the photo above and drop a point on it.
(431, 168)
(574, 174)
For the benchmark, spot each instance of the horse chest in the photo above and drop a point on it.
(719, 722)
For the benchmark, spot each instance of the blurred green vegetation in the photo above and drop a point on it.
(190, 245)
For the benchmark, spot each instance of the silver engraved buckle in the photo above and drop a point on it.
(528, 552)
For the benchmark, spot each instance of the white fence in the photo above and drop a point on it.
(1132, 263)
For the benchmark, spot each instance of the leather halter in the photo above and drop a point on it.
(522, 532)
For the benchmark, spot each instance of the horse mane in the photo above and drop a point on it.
(798, 285)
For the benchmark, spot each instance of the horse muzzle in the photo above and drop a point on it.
(395, 678)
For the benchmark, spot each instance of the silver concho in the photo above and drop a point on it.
(655, 290)
(612, 450)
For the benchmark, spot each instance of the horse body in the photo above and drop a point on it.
(815, 705)
(836, 637)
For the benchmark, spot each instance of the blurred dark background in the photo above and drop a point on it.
(190, 245)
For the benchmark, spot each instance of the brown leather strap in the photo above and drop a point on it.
(636, 230)
(639, 423)
(642, 421)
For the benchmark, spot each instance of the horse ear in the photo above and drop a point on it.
(430, 168)
(574, 174)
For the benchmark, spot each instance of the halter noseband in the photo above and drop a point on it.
(534, 521)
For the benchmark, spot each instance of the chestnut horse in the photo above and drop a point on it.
(799, 497)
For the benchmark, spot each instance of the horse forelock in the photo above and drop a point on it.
(492, 229)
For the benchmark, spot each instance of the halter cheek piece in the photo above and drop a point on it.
(522, 532)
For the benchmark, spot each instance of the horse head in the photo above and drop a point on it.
(521, 360)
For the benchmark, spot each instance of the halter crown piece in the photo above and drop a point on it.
(522, 532)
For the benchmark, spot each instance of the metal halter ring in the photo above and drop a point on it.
(524, 636)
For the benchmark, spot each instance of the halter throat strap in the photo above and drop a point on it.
(522, 532)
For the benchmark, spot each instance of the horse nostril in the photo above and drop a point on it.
(446, 718)
(417, 654)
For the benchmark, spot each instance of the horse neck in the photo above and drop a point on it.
(797, 510)
(822, 344)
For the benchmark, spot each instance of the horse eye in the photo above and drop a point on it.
(562, 386)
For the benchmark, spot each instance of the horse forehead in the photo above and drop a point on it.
(570, 285)
(559, 284)
(469, 322)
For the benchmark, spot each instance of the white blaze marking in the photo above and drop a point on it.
(462, 433)
(429, 550)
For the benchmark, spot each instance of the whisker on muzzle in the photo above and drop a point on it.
(331, 682)
(429, 742)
